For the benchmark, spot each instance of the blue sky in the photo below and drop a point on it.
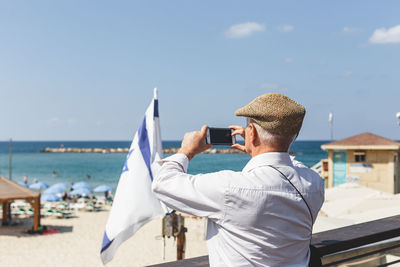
(85, 70)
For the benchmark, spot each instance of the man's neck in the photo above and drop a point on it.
(265, 149)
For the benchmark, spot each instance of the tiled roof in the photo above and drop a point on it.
(364, 139)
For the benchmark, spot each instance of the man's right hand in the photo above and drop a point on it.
(193, 143)
(241, 131)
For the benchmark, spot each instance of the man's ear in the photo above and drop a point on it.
(253, 134)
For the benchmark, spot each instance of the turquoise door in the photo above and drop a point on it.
(339, 167)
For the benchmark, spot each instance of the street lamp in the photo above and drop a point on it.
(398, 117)
(330, 119)
(10, 161)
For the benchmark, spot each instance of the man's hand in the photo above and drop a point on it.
(193, 143)
(241, 131)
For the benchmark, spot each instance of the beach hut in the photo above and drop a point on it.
(367, 158)
(10, 191)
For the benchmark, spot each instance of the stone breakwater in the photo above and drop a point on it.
(170, 150)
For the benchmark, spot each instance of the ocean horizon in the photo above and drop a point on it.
(106, 168)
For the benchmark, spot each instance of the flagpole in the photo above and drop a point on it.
(155, 93)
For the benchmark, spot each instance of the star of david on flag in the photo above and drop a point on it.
(134, 203)
(125, 168)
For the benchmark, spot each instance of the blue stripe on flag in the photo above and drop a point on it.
(156, 108)
(126, 168)
(144, 145)
(106, 242)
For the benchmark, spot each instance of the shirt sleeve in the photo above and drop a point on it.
(199, 195)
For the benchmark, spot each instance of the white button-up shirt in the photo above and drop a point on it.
(255, 217)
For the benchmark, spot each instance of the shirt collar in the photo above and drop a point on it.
(270, 158)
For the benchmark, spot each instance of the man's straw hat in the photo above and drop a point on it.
(276, 113)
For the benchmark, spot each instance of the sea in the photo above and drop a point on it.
(98, 168)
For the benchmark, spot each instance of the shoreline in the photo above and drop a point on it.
(170, 150)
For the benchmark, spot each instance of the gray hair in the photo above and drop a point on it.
(271, 139)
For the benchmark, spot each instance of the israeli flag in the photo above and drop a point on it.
(134, 203)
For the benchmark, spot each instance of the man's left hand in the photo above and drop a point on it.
(193, 143)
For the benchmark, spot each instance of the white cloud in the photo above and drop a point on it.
(386, 36)
(58, 121)
(268, 86)
(273, 87)
(53, 120)
(347, 73)
(244, 30)
(289, 60)
(286, 28)
(71, 121)
(350, 30)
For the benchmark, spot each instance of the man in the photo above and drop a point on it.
(256, 217)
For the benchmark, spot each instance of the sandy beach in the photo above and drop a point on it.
(78, 243)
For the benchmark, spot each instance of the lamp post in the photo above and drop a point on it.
(10, 161)
(398, 117)
(331, 124)
(396, 162)
(10, 177)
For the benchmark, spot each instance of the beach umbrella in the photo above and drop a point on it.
(23, 184)
(102, 188)
(80, 185)
(49, 198)
(59, 185)
(38, 185)
(54, 190)
(81, 191)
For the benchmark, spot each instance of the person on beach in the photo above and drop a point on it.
(262, 215)
(108, 195)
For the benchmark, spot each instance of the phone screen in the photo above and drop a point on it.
(220, 136)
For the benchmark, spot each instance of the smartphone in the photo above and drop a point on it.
(220, 136)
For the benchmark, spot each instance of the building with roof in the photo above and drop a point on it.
(369, 159)
(10, 191)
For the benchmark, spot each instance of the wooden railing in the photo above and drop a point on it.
(342, 245)
(321, 168)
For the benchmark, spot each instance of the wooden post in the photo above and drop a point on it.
(36, 216)
(180, 245)
(5, 213)
(181, 239)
